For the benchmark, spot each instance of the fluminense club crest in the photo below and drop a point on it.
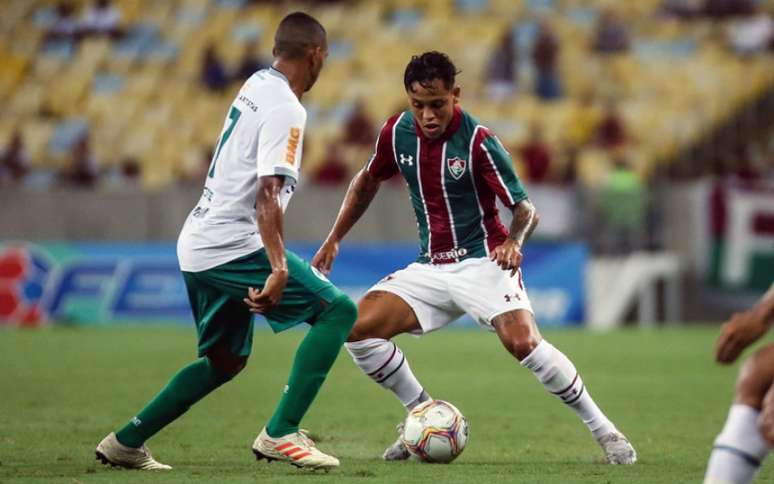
(456, 167)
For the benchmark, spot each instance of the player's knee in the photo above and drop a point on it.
(520, 346)
(518, 334)
(346, 310)
(349, 311)
(231, 367)
(363, 328)
(358, 333)
(227, 364)
(341, 313)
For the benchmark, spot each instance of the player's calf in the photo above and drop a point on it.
(519, 334)
(381, 316)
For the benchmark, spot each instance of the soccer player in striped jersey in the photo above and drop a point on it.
(232, 243)
(455, 169)
(748, 434)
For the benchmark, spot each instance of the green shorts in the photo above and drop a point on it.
(221, 316)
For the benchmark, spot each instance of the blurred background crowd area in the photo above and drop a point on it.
(117, 93)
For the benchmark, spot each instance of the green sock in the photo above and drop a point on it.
(189, 386)
(314, 358)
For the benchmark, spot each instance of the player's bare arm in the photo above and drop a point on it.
(359, 196)
(508, 254)
(269, 214)
(745, 328)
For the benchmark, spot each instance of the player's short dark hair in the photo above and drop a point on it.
(427, 67)
(297, 33)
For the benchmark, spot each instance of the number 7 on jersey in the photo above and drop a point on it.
(233, 117)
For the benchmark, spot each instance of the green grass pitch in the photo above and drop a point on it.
(63, 389)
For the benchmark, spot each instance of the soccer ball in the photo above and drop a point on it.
(435, 431)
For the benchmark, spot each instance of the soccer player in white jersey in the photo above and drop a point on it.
(469, 262)
(748, 434)
(232, 244)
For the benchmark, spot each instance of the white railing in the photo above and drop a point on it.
(616, 284)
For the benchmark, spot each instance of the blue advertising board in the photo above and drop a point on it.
(107, 283)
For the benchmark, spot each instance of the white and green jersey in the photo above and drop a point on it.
(262, 136)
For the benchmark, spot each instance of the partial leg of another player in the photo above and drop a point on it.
(520, 336)
(281, 438)
(748, 433)
(126, 448)
(381, 316)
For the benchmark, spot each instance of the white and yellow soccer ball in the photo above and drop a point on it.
(435, 431)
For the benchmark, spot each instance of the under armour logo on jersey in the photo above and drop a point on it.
(511, 297)
(406, 159)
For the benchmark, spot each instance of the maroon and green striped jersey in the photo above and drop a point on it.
(454, 181)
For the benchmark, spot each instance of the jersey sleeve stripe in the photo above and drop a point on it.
(384, 150)
(422, 196)
(376, 146)
(507, 192)
(394, 129)
(446, 199)
(475, 190)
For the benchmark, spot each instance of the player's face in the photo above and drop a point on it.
(433, 106)
(316, 63)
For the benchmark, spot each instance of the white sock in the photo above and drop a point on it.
(559, 376)
(739, 449)
(386, 364)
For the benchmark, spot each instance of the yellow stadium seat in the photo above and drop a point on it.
(664, 113)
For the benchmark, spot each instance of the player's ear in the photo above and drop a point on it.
(456, 94)
(317, 56)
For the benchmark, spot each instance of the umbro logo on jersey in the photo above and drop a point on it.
(406, 159)
(456, 167)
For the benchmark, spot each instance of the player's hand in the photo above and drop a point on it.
(263, 300)
(508, 256)
(743, 329)
(323, 259)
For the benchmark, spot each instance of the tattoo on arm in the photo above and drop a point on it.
(362, 196)
(524, 222)
(359, 196)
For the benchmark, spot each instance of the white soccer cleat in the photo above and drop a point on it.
(398, 450)
(297, 449)
(617, 448)
(111, 451)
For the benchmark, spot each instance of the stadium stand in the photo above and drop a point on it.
(139, 94)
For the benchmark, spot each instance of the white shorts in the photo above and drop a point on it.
(439, 294)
